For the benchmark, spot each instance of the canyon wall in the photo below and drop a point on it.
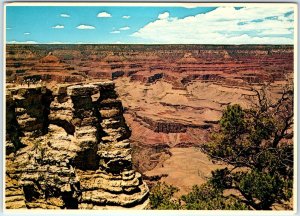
(178, 64)
(69, 148)
(173, 95)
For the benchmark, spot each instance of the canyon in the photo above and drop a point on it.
(170, 96)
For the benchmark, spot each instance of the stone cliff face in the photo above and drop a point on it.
(69, 148)
(173, 95)
(178, 64)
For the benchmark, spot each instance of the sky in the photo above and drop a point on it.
(150, 25)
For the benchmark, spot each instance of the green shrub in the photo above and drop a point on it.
(161, 197)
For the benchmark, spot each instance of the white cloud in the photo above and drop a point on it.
(87, 42)
(85, 27)
(115, 32)
(58, 27)
(118, 42)
(27, 33)
(124, 28)
(164, 15)
(57, 42)
(65, 15)
(104, 14)
(224, 25)
(277, 31)
(189, 5)
(8, 28)
(125, 17)
(22, 42)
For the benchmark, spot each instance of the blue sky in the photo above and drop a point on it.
(161, 25)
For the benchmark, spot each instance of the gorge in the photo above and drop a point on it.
(172, 99)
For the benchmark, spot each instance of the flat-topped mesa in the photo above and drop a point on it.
(83, 157)
(48, 68)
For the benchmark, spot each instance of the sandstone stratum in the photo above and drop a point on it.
(69, 148)
(173, 95)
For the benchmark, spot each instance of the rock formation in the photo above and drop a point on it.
(173, 95)
(68, 148)
(49, 68)
(179, 64)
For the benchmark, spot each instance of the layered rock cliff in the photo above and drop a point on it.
(173, 94)
(69, 148)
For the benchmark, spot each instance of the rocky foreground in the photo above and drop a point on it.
(69, 148)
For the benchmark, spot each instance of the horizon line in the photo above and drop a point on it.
(140, 44)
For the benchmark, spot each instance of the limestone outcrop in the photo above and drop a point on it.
(69, 148)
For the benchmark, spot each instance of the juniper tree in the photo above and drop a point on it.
(257, 145)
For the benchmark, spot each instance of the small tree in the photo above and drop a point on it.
(208, 197)
(204, 197)
(162, 197)
(257, 144)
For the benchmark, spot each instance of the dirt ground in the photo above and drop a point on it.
(186, 167)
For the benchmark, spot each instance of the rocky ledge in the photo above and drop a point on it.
(69, 148)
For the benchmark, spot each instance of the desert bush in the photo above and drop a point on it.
(162, 197)
(204, 197)
(208, 197)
